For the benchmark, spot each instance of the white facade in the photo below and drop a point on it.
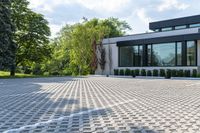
(112, 55)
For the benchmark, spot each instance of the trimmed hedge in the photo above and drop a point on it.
(155, 72)
(133, 73)
(168, 74)
(187, 73)
(127, 72)
(174, 73)
(194, 73)
(121, 72)
(137, 72)
(180, 73)
(149, 73)
(143, 72)
(116, 72)
(162, 72)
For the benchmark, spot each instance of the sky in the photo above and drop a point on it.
(137, 13)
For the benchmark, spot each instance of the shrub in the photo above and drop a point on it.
(143, 72)
(67, 72)
(27, 71)
(46, 73)
(155, 72)
(162, 72)
(168, 74)
(149, 73)
(55, 73)
(133, 73)
(121, 72)
(127, 72)
(187, 73)
(174, 73)
(37, 71)
(180, 73)
(137, 72)
(116, 72)
(194, 73)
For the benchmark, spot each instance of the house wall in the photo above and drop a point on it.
(112, 61)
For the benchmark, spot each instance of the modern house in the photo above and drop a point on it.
(173, 44)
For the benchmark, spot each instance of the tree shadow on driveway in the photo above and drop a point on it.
(26, 105)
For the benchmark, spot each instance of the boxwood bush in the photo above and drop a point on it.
(174, 73)
(194, 73)
(121, 72)
(143, 72)
(168, 74)
(133, 73)
(149, 73)
(180, 73)
(187, 73)
(137, 72)
(155, 72)
(127, 72)
(162, 72)
(116, 72)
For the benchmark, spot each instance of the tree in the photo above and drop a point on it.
(32, 34)
(7, 46)
(80, 43)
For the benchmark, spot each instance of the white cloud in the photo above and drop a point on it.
(96, 5)
(141, 13)
(170, 4)
(55, 29)
(104, 5)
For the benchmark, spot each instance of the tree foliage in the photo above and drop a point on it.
(32, 34)
(76, 44)
(7, 46)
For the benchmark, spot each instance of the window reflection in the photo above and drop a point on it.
(179, 53)
(164, 54)
(126, 56)
(191, 53)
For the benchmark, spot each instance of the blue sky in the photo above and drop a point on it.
(138, 13)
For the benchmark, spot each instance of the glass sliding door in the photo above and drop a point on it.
(163, 54)
(149, 54)
(126, 56)
(179, 53)
(191, 53)
(135, 56)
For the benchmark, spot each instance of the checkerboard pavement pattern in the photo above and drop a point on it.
(99, 104)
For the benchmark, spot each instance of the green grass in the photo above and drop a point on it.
(4, 74)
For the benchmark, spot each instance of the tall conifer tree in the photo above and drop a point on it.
(7, 45)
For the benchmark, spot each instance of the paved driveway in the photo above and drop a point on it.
(99, 104)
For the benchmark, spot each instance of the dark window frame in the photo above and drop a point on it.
(145, 61)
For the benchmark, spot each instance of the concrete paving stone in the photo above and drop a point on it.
(100, 104)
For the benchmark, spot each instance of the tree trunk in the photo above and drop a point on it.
(12, 71)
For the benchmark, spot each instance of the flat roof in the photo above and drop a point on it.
(151, 35)
(175, 22)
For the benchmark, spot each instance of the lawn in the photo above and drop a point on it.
(4, 74)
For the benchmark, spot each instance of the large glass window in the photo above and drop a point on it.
(179, 53)
(180, 27)
(149, 51)
(191, 53)
(126, 56)
(166, 29)
(135, 56)
(194, 25)
(140, 55)
(163, 54)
